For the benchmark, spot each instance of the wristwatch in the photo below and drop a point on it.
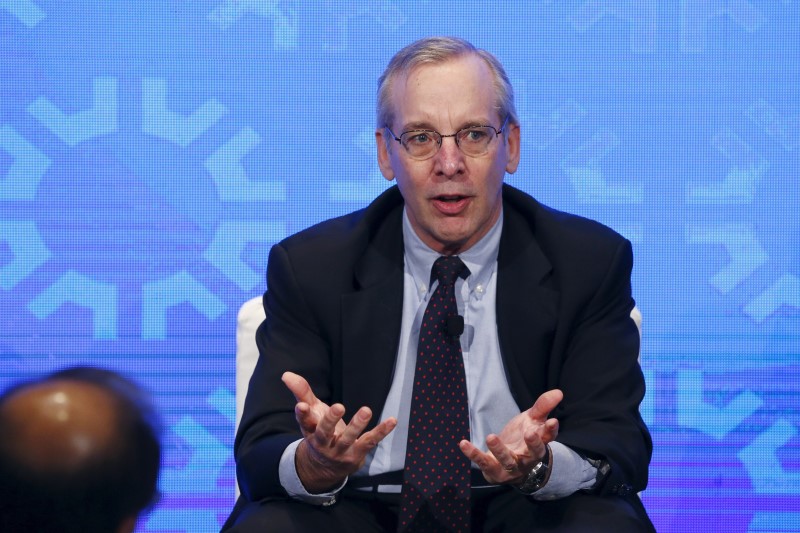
(539, 475)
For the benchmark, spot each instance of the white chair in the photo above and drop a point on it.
(636, 316)
(250, 316)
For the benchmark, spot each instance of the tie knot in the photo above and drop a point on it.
(447, 269)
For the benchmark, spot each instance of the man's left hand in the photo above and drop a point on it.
(520, 445)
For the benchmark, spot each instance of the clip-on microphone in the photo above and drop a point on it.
(454, 325)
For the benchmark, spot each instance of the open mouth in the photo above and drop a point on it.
(450, 204)
(450, 198)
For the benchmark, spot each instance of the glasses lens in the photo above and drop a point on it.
(420, 144)
(475, 140)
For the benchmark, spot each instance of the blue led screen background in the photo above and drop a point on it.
(151, 151)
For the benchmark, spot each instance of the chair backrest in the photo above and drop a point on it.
(636, 316)
(251, 315)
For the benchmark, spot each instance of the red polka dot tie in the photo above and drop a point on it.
(436, 479)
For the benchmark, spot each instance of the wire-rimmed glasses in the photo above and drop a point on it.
(473, 141)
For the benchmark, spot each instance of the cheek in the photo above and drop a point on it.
(412, 181)
(493, 178)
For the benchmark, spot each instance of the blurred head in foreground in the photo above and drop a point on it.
(79, 451)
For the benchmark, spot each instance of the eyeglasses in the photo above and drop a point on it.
(473, 141)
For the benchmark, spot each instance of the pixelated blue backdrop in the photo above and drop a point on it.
(151, 151)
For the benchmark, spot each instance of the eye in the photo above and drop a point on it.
(473, 135)
(418, 138)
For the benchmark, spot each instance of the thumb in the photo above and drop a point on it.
(544, 404)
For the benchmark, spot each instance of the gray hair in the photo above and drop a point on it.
(433, 50)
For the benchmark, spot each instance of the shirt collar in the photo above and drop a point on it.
(481, 258)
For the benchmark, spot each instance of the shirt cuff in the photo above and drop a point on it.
(290, 481)
(569, 472)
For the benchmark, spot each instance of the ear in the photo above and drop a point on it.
(512, 148)
(384, 159)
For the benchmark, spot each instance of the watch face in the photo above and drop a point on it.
(539, 474)
(535, 479)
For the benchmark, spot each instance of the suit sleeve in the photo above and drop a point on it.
(603, 383)
(288, 340)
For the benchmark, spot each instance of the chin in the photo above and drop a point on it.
(451, 243)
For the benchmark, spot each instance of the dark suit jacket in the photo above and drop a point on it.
(333, 304)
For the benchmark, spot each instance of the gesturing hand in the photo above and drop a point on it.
(520, 445)
(331, 450)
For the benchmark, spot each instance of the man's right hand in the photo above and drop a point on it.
(331, 450)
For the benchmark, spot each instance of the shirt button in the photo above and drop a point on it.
(479, 289)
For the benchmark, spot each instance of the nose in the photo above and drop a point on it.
(449, 160)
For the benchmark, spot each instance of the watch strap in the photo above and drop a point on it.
(539, 474)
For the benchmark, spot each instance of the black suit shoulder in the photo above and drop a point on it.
(558, 229)
(325, 255)
(350, 228)
(576, 247)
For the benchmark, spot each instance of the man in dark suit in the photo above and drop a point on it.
(543, 303)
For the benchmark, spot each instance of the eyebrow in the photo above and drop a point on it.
(422, 125)
(411, 126)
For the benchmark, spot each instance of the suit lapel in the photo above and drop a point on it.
(527, 306)
(371, 318)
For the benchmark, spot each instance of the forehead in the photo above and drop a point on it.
(447, 94)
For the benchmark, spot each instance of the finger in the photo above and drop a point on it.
(550, 430)
(354, 428)
(544, 404)
(298, 386)
(326, 428)
(467, 448)
(505, 457)
(535, 444)
(371, 438)
(474, 454)
(305, 418)
(486, 461)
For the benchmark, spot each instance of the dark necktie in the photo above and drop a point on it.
(436, 479)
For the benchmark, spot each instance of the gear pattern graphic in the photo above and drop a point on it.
(741, 239)
(336, 19)
(29, 250)
(758, 270)
(339, 15)
(283, 14)
(543, 130)
(348, 191)
(547, 129)
(26, 11)
(695, 413)
(201, 476)
(641, 15)
(584, 168)
(584, 165)
(696, 17)
(760, 458)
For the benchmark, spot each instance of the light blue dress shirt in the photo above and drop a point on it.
(491, 405)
